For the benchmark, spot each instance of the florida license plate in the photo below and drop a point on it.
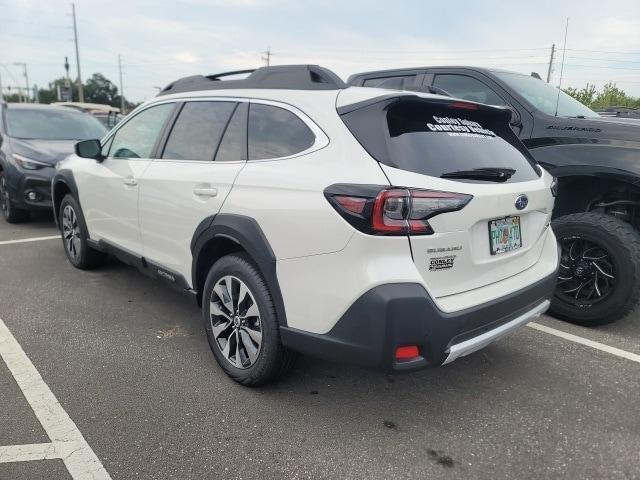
(504, 235)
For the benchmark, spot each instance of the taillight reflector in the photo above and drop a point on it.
(407, 353)
(352, 204)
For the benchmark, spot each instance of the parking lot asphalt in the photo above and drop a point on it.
(128, 361)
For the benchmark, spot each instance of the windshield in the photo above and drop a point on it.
(52, 124)
(544, 97)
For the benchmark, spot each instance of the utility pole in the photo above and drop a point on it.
(121, 88)
(1, 91)
(267, 56)
(75, 36)
(26, 77)
(553, 51)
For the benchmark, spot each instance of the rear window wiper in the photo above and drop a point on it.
(492, 174)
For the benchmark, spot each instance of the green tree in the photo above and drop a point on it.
(609, 96)
(612, 96)
(99, 89)
(585, 95)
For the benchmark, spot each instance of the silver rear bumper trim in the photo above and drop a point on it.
(476, 343)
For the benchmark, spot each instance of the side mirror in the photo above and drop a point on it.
(515, 120)
(90, 149)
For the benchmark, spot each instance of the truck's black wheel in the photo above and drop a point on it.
(599, 275)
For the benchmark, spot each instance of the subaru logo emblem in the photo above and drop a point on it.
(521, 202)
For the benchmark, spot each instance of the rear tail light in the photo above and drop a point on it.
(392, 211)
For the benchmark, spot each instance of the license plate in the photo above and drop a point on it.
(504, 235)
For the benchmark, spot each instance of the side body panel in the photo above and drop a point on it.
(108, 192)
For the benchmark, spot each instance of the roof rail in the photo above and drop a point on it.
(286, 77)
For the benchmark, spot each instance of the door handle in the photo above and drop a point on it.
(205, 191)
(132, 182)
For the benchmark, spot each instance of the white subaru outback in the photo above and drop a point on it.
(384, 228)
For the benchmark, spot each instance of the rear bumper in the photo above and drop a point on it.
(402, 314)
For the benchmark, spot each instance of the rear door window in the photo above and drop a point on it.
(197, 131)
(233, 146)
(469, 88)
(275, 132)
(437, 138)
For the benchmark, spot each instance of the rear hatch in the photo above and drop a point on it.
(444, 145)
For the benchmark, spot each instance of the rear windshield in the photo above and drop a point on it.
(437, 138)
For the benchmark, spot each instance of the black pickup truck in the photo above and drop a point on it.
(596, 160)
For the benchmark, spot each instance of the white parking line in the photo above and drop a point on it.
(27, 240)
(585, 341)
(68, 443)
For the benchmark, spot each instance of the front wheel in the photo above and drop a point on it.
(10, 212)
(75, 235)
(241, 324)
(599, 274)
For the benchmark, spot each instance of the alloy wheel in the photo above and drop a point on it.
(587, 274)
(71, 232)
(235, 322)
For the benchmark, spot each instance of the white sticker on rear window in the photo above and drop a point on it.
(459, 127)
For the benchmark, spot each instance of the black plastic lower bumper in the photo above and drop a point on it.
(39, 183)
(394, 315)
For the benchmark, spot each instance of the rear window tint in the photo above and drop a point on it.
(434, 138)
(275, 132)
(196, 133)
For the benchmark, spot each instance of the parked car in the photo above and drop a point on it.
(597, 162)
(389, 229)
(107, 115)
(33, 138)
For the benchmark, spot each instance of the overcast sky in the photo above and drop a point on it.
(162, 40)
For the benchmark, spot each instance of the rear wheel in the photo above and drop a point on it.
(241, 324)
(75, 235)
(10, 212)
(599, 274)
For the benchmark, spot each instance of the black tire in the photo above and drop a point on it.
(74, 241)
(272, 359)
(10, 212)
(596, 234)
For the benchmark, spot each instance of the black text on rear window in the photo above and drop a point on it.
(275, 132)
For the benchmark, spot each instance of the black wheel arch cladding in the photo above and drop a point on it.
(246, 232)
(63, 178)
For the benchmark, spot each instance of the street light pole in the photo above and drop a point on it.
(121, 87)
(75, 36)
(26, 77)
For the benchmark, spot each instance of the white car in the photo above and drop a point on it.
(384, 228)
